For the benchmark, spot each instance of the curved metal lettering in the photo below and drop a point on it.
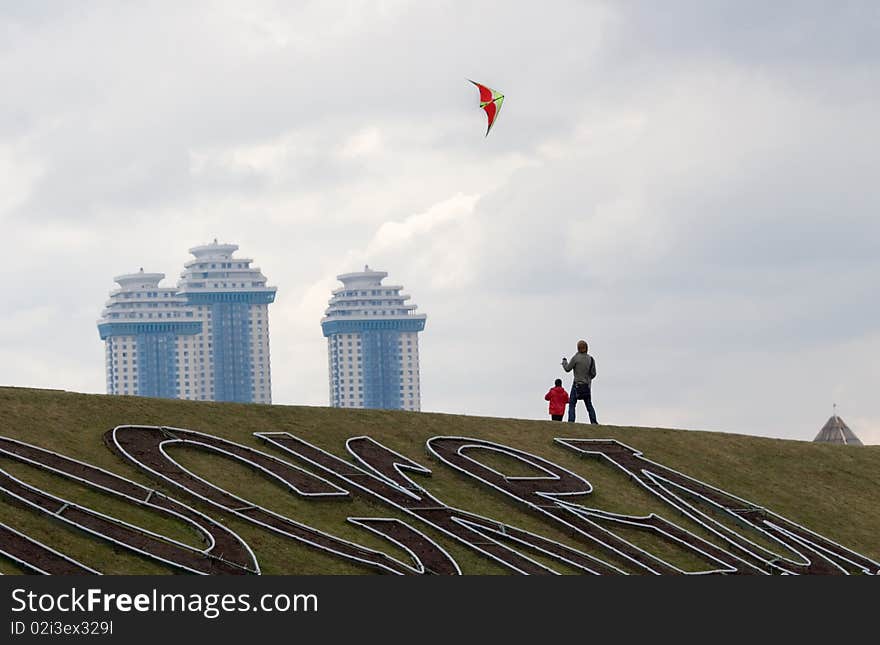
(38, 557)
(226, 552)
(554, 494)
(817, 554)
(146, 447)
(550, 496)
(381, 477)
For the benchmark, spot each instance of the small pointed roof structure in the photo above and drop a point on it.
(836, 431)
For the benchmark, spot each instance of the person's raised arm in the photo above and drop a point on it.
(567, 365)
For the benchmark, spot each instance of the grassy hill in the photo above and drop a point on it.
(833, 490)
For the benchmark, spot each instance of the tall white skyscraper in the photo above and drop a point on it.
(231, 300)
(142, 326)
(372, 344)
(207, 339)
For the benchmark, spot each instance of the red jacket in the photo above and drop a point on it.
(558, 398)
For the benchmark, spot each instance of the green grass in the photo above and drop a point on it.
(833, 490)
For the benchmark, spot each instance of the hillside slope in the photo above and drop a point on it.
(832, 490)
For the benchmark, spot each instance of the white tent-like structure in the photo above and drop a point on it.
(836, 431)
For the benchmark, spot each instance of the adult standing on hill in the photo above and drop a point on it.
(584, 367)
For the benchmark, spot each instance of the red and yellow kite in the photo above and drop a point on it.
(490, 101)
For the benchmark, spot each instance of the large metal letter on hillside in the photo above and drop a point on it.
(146, 447)
(549, 495)
(814, 553)
(225, 553)
(381, 477)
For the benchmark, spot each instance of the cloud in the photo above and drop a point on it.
(22, 321)
(693, 189)
(20, 174)
(398, 234)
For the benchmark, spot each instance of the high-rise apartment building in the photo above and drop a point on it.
(231, 300)
(143, 327)
(207, 339)
(372, 344)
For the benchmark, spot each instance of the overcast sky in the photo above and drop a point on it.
(693, 187)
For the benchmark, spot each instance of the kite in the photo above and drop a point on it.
(490, 100)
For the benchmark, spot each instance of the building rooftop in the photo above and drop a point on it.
(139, 279)
(365, 298)
(365, 278)
(835, 430)
(214, 250)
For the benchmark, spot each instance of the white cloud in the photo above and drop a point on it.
(398, 234)
(364, 143)
(25, 321)
(704, 214)
(20, 174)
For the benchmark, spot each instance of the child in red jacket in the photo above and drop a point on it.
(558, 398)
